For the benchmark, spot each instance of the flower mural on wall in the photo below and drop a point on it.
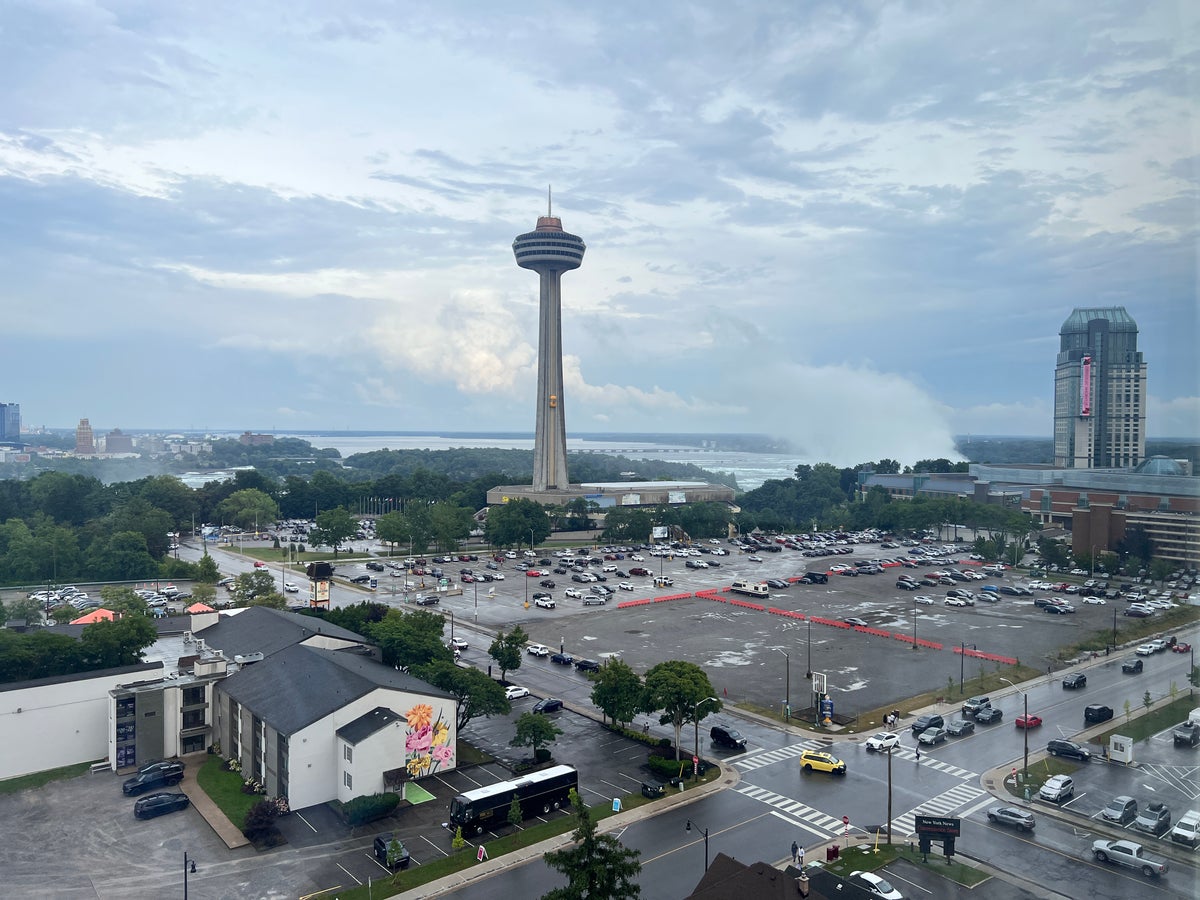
(427, 746)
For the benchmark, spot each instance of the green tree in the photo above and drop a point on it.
(534, 731)
(392, 528)
(597, 866)
(332, 528)
(207, 571)
(515, 816)
(510, 524)
(122, 557)
(477, 695)
(411, 640)
(675, 688)
(1147, 700)
(204, 593)
(248, 508)
(508, 649)
(451, 524)
(1160, 569)
(122, 600)
(617, 691)
(105, 645)
(250, 586)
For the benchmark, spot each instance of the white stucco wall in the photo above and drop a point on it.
(59, 724)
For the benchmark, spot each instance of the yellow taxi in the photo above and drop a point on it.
(818, 761)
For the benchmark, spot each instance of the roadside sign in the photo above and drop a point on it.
(616, 804)
(481, 853)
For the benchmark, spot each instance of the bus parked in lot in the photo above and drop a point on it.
(538, 793)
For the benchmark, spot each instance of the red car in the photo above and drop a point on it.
(1030, 721)
(533, 573)
(1181, 647)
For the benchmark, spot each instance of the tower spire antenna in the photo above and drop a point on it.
(549, 204)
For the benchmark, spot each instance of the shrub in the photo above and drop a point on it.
(260, 822)
(668, 767)
(370, 807)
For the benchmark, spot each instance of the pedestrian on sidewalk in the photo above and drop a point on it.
(800, 857)
(795, 851)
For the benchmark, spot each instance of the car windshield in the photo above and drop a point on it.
(884, 886)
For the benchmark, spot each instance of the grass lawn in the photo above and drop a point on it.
(1152, 722)
(225, 790)
(1134, 630)
(863, 858)
(37, 779)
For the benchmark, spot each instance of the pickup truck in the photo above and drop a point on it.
(1186, 735)
(1127, 853)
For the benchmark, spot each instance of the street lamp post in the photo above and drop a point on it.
(962, 663)
(914, 646)
(687, 828)
(1114, 628)
(787, 689)
(888, 826)
(808, 674)
(696, 723)
(189, 865)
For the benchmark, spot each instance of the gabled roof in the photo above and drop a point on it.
(728, 879)
(96, 615)
(259, 629)
(366, 725)
(299, 685)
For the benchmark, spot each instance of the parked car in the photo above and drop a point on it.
(400, 855)
(1013, 817)
(728, 737)
(1187, 829)
(360, 579)
(548, 705)
(562, 659)
(1057, 789)
(1121, 810)
(587, 665)
(812, 577)
(1186, 734)
(537, 650)
(427, 600)
(515, 692)
(1155, 819)
(884, 740)
(819, 761)
(544, 602)
(159, 804)
(875, 885)
(595, 599)
(1127, 853)
(1059, 747)
(153, 775)
(1074, 680)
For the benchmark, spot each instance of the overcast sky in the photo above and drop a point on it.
(857, 227)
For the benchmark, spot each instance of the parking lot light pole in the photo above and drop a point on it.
(808, 674)
(787, 690)
(696, 722)
(914, 646)
(888, 826)
(688, 828)
(962, 663)
(186, 863)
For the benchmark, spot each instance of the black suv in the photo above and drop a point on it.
(428, 600)
(401, 858)
(927, 722)
(159, 804)
(814, 578)
(1068, 748)
(587, 665)
(153, 775)
(1131, 666)
(1187, 734)
(375, 566)
(725, 736)
(1097, 713)
(1075, 680)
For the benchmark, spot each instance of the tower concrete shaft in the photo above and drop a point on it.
(549, 251)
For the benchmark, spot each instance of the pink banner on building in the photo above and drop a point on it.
(1085, 387)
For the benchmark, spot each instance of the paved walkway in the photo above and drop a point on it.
(217, 820)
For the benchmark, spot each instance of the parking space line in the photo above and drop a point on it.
(630, 777)
(306, 822)
(436, 847)
(347, 871)
(615, 787)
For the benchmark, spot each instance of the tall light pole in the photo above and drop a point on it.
(808, 674)
(962, 663)
(888, 826)
(188, 865)
(787, 690)
(1025, 730)
(687, 828)
(914, 646)
(696, 723)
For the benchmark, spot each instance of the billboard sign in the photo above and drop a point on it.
(1085, 386)
(676, 497)
(938, 826)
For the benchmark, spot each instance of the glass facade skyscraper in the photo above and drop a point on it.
(1099, 391)
(10, 422)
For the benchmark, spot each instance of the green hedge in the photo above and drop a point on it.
(370, 807)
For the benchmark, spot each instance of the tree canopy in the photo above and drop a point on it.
(675, 689)
(597, 866)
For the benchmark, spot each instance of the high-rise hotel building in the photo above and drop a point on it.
(1099, 391)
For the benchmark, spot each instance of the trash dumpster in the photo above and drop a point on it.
(832, 853)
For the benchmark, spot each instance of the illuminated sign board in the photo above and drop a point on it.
(1085, 387)
(935, 826)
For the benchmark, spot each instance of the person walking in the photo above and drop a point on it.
(795, 851)
(800, 857)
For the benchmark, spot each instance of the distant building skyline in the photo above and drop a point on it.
(10, 422)
(85, 441)
(549, 251)
(1099, 391)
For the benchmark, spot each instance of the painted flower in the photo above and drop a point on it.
(443, 754)
(418, 740)
(420, 716)
(418, 764)
(441, 733)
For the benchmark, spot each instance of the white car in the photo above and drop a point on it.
(875, 885)
(1094, 601)
(290, 587)
(458, 644)
(954, 601)
(637, 557)
(573, 594)
(537, 650)
(515, 692)
(625, 586)
(923, 600)
(754, 558)
(544, 602)
(885, 740)
(609, 569)
(1145, 650)
(497, 576)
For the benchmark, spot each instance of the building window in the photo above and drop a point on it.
(348, 753)
(347, 780)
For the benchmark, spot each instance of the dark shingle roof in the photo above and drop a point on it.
(366, 725)
(299, 685)
(267, 631)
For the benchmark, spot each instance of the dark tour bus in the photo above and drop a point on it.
(538, 793)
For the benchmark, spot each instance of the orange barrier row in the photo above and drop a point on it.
(787, 612)
(875, 631)
(991, 657)
(629, 603)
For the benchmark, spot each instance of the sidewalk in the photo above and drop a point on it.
(217, 820)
